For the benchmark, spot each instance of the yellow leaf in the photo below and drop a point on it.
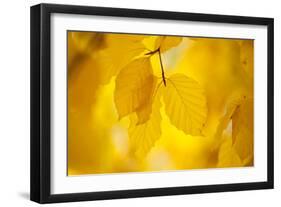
(227, 155)
(185, 104)
(133, 84)
(143, 112)
(231, 105)
(143, 136)
(169, 42)
(163, 42)
(121, 49)
(242, 128)
(240, 115)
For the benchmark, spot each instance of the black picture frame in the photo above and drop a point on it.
(41, 97)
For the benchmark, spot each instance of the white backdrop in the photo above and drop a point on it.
(14, 104)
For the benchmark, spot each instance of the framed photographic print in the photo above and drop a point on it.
(132, 103)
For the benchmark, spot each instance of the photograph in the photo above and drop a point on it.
(129, 103)
(139, 103)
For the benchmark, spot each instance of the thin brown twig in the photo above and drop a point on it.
(162, 68)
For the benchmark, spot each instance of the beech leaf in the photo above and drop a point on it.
(134, 86)
(143, 136)
(185, 104)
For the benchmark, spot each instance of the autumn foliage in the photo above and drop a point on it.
(149, 103)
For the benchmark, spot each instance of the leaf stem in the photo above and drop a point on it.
(162, 68)
(150, 53)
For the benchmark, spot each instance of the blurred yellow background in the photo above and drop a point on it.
(99, 136)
